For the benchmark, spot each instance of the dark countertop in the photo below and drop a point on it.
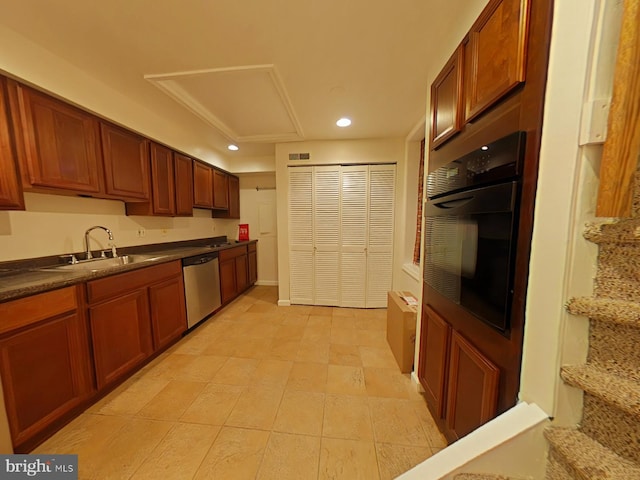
(21, 278)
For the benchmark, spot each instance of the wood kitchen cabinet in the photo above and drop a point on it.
(435, 336)
(220, 190)
(252, 259)
(11, 197)
(233, 199)
(183, 174)
(58, 145)
(461, 384)
(472, 390)
(202, 185)
(127, 312)
(234, 273)
(45, 363)
(126, 163)
(447, 100)
(168, 315)
(495, 53)
(171, 185)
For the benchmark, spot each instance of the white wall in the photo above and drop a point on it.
(54, 224)
(325, 153)
(258, 209)
(562, 261)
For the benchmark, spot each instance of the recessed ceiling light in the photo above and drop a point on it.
(343, 122)
(233, 147)
(484, 147)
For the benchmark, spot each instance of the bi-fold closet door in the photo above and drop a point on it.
(341, 234)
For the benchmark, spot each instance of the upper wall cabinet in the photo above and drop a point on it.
(495, 54)
(183, 174)
(60, 145)
(231, 187)
(220, 190)
(10, 188)
(163, 201)
(202, 185)
(446, 100)
(126, 163)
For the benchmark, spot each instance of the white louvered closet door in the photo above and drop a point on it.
(354, 232)
(382, 179)
(326, 235)
(301, 235)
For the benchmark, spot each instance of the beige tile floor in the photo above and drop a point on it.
(261, 391)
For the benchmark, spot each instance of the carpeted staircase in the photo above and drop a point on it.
(606, 444)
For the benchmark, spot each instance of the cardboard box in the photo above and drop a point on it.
(401, 330)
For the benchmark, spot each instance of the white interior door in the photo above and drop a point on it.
(354, 232)
(301, 235)
(326, 235)
(382, 179)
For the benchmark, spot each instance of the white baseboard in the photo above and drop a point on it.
(284, 303)
(414, 378)
(267, 283)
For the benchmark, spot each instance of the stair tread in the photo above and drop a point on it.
(588, 458)
(606, 310)
(620, 231)
(616, 390)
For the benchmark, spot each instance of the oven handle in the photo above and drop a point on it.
(453, 203)
(492, 199)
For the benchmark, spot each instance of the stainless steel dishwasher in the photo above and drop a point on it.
(201, 286)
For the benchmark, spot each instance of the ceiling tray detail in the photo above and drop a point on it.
(246, 103)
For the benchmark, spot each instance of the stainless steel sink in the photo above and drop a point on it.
(97, 264)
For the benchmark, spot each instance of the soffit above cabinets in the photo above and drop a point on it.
(245, 103)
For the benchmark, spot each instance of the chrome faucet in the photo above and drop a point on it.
(86, 239)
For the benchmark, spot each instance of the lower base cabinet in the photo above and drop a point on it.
(461, 384)
(45, 363)
(238, 267)
(132, 315)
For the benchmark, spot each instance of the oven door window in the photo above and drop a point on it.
(468, 253)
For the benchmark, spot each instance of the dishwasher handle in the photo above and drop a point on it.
(199, 259)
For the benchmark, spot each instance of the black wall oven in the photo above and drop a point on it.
(471, 224)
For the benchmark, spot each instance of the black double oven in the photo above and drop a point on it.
(471, 225)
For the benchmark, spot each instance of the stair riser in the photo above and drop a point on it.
(611, 427)
(616, 348)
(556, 468)
(618, 274)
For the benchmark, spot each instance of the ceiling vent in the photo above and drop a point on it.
(300, 156)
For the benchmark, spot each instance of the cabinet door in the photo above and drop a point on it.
(435, 335)
(495, 54)
(126, 163)
(234, 197)
(183, 170)
(121, 335)
(10, 189)
(220, 190)
(446, 100)
(473, 387)
(168, 314)
(252, 258)
(162, 180)
(227, 280)
(242, 273)
(202, 185)
(61, 143)
(44, 374)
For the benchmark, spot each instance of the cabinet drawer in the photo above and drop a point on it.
(114, 285)
(252, 247)
(25, 311)
(232, 253)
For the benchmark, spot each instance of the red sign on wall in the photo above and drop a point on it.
(243, 232)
